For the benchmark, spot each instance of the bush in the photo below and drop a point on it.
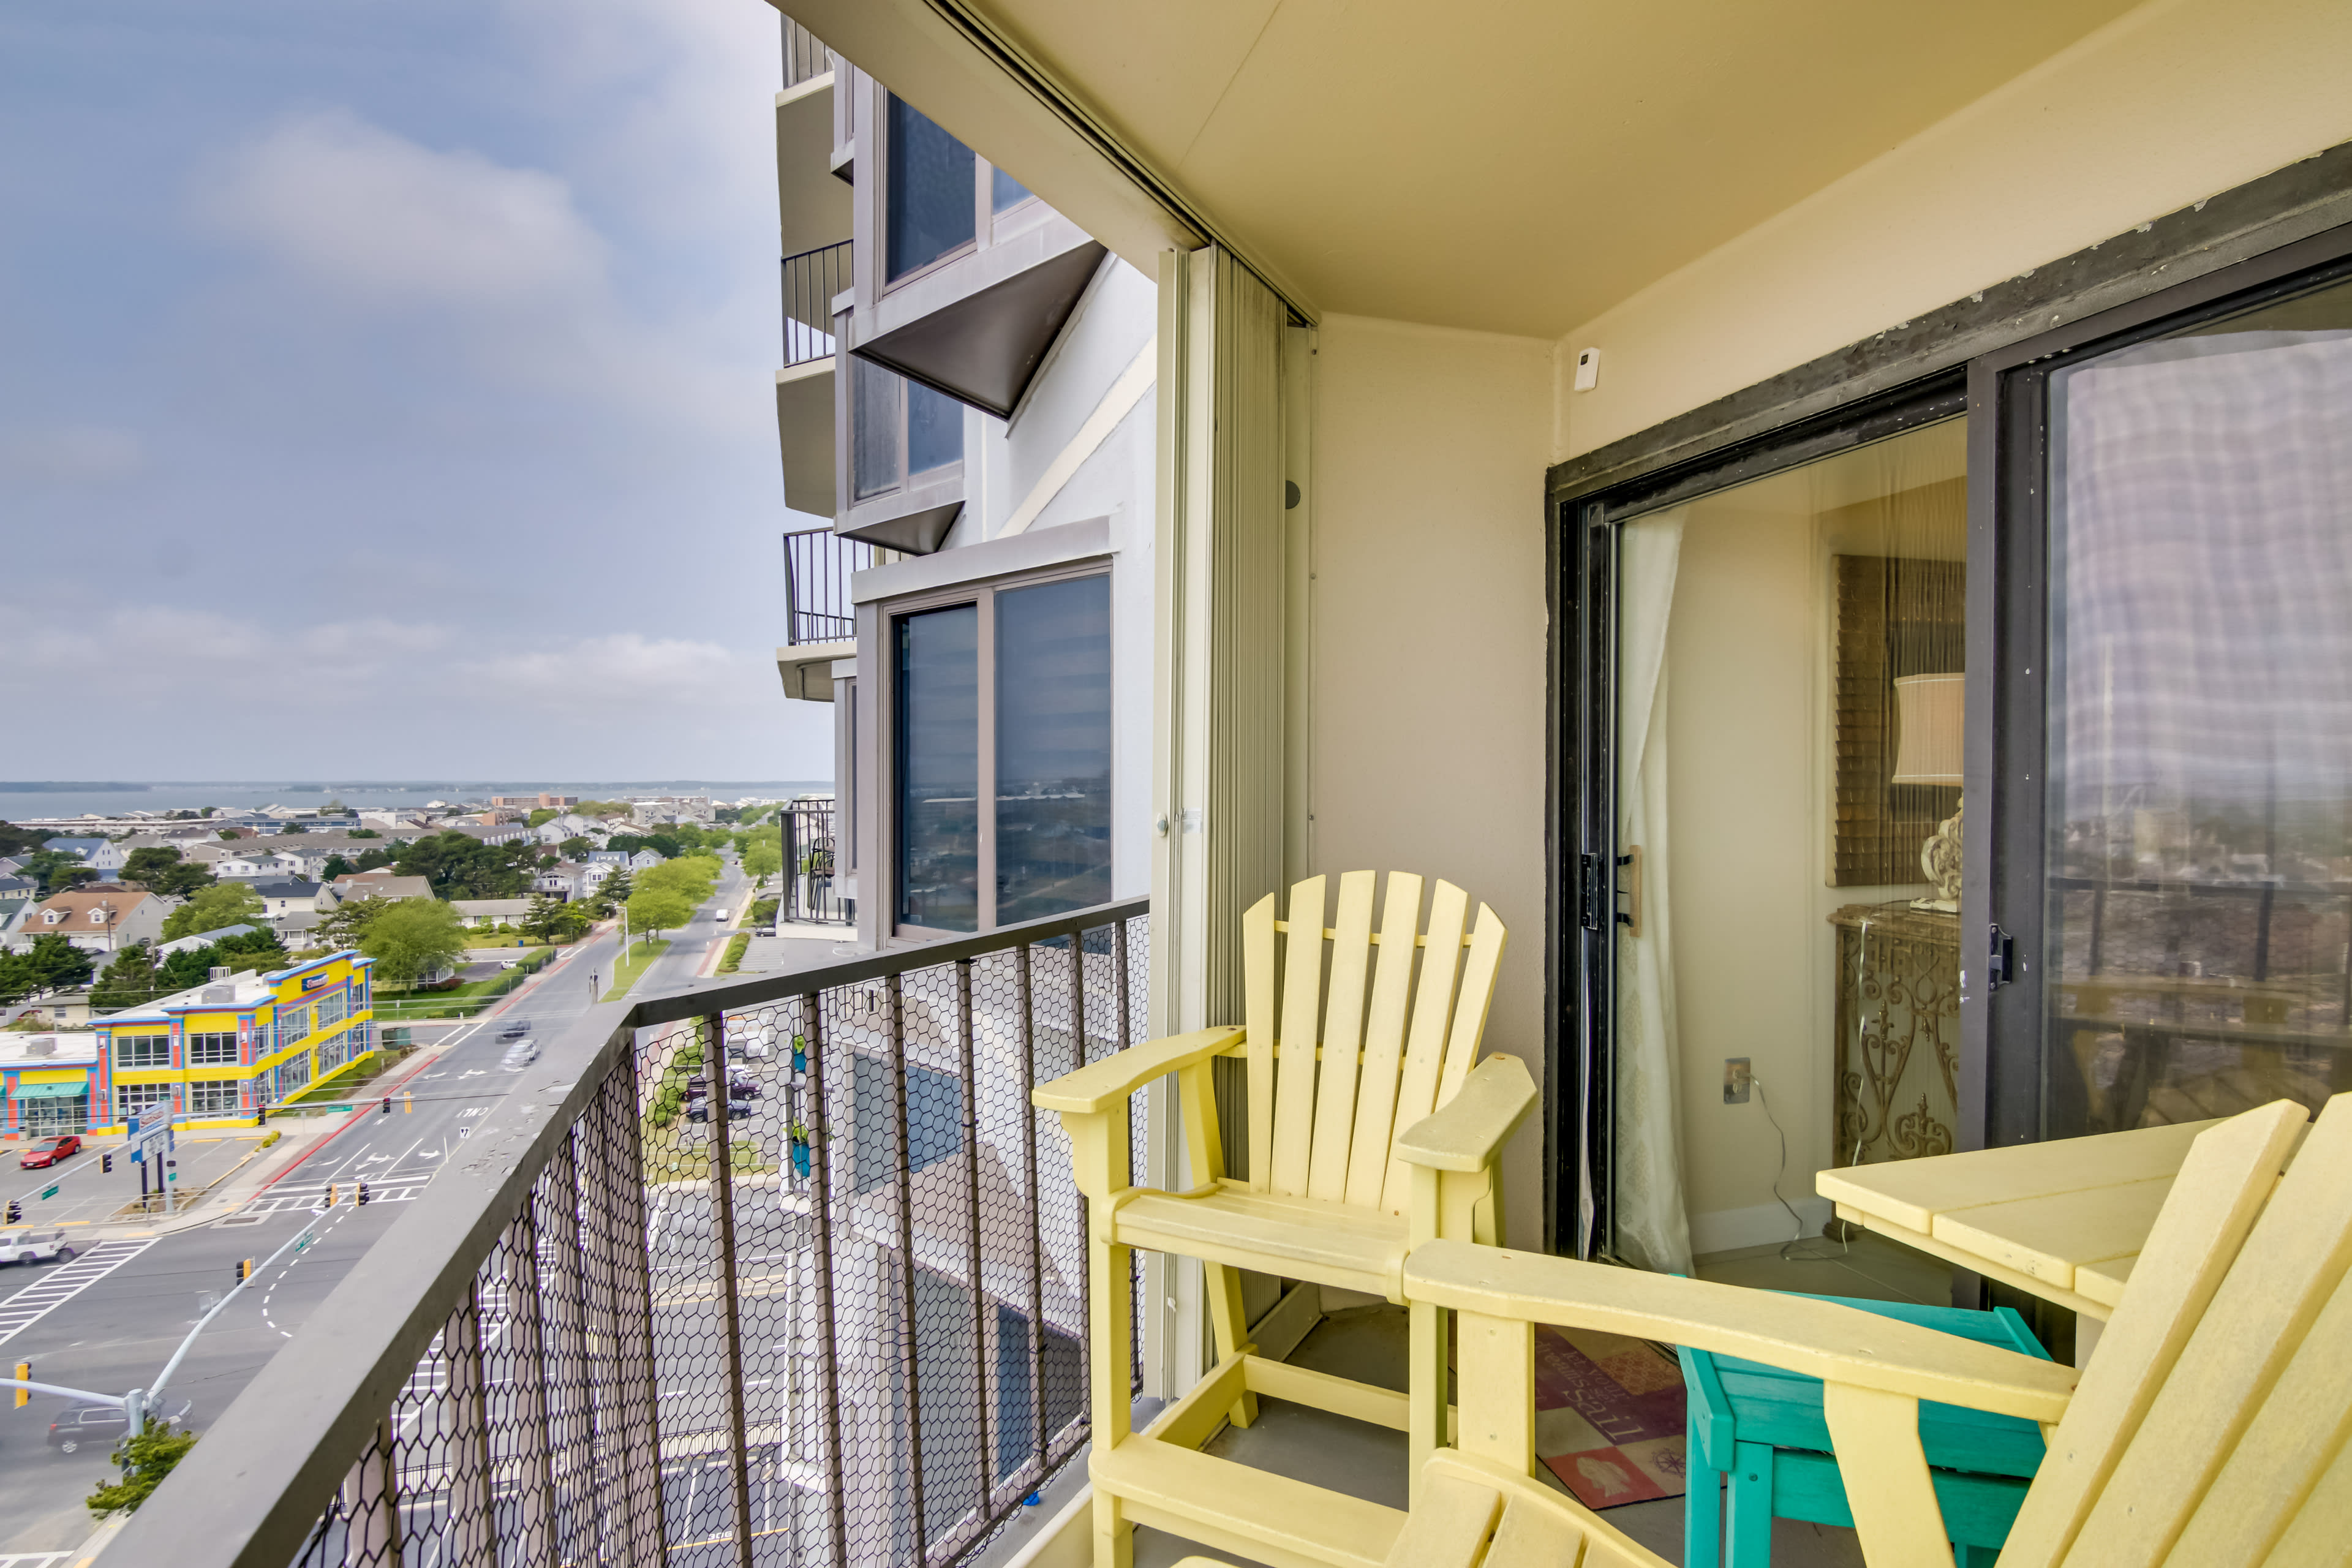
(733, 959)
(145, 1459)
(763, 912)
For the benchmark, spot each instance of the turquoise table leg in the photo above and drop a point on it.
(1701, 1513)
(1748, 1532)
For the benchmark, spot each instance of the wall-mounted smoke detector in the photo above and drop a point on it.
(1588, 369)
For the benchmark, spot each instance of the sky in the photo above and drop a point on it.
(386, 389)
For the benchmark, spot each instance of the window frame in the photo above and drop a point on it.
(990, 227)
(211, 1040)
(123, 1064)
(980, 592)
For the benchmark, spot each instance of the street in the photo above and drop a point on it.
(108, 1319)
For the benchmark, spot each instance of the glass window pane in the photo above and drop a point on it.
(873, 430)
(2199, 778)
(1004, 191)
(1052, 748)
(929, 191)
(934, 429)
(938, 769)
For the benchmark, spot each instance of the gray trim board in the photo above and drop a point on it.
(2290, 204)
(1030, 551)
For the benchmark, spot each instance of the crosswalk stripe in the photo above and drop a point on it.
(62, 1283)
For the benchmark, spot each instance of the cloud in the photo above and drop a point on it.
(353, 208)
(71, 455)
(630, 672)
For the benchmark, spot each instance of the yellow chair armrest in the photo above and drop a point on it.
(1840, 1345)
(1464, 1133)
(1098, 1085)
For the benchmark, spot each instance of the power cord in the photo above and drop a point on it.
(1794, 1219)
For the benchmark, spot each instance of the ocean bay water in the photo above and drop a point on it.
(34, 799)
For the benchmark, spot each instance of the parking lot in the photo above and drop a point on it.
(89, 1196)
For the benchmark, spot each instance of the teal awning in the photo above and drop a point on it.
(51, 1090)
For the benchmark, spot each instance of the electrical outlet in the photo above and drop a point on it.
(1736, 1080)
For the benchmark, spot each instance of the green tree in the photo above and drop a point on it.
(230, 832)
(145, 865)
(654, 909)
(362, 832)
(541, 921)
(47, 867)
(541, 816)
(145, 1459)
(222, 904)
(763, 861)
(574, 847)
(17, 980)
(16, 840)
(349, 922)
(372, 860)
(241, 950)
(459, 866)
(336, 866)
(615, 888)
(57, 963)
(412, 938)
(129, 981)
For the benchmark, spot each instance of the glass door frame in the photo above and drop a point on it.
(2002, 890)
(1580, 1079)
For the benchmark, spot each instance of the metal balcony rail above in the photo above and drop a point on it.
(817, 567)
(805, 59)
(812, 278)
(832, 1313)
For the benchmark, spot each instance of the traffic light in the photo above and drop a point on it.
(261, 1116)
(331, 1195)
(387, 1105)
(362, 1192)
(24, 1375)
(243, 1269)
(106, 1162)
(16, 1211)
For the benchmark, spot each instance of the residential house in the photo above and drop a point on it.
(228, 1047)
(101, 917)
(103, 856)
(19, 898)
(382, 883)
(571, 824)
(282, 897)
(511, 832)
(45, 1083)
(566, 879)
(267, 859)
(490, 911)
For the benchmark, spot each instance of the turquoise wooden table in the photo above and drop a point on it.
(1764, 1428)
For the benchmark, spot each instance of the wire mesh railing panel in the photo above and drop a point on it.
(803, 1284)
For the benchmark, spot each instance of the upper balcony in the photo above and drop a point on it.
(820, 621)
(813, 203)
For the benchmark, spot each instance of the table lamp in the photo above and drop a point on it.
(1931, 709)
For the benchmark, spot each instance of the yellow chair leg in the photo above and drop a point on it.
(1114, 1536)
(1222, 1287)
(1426, 1378)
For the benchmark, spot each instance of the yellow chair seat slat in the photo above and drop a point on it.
(1328, 1242)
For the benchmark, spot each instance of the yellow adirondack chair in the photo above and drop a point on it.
(2210, 1430)
(1370, 1130)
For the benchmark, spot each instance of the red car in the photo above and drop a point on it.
(48, 1151)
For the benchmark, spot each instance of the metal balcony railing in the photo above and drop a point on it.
(812, 890)
(811, 280)
(833, 1314)
(805, 57)
(817, 567)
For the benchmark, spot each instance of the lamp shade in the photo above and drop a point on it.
(1931, 709)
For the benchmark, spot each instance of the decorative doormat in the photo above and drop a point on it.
(1608, 1416)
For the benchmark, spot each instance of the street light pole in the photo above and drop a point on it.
(136, 1401)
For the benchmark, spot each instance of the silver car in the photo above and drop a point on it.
(520, 1055)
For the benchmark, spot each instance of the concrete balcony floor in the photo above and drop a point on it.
(1369, 1343)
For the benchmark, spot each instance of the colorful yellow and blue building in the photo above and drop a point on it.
(225, 1049)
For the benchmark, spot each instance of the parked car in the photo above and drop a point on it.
(32, 1245)
(102, 1425)
(48, 1151)
(738, 1088)
(520, 1055)
(698, 1109)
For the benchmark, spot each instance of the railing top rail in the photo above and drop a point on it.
(816, 250)
(249, 1495)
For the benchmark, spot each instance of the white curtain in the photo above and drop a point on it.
(1653, 1230)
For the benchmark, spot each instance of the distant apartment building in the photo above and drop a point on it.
(228, 1047)
(967, 404)
(537, 802)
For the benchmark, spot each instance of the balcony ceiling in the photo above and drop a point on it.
(1513, 165)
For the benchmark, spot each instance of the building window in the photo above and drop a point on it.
(142, 1051)
(331, 1009)
(209, 1050)
(1028, 669)
(213, 1097)
(901, 434)
(138, 1098)
(298, 1024)
(929, 213)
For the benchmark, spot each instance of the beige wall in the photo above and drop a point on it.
(1426, 714)
(2173, 102)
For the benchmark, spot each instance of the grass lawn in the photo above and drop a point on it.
(641, 953)
(733, 958)
(459, 1001)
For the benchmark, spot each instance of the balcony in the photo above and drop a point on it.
(820, 622)
(804, 389)
(840, 1322)
(812, 205)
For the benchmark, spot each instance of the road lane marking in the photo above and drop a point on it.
(62, 1283)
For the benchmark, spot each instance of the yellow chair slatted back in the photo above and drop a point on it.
(1321, 1122)
(2210, 1425)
